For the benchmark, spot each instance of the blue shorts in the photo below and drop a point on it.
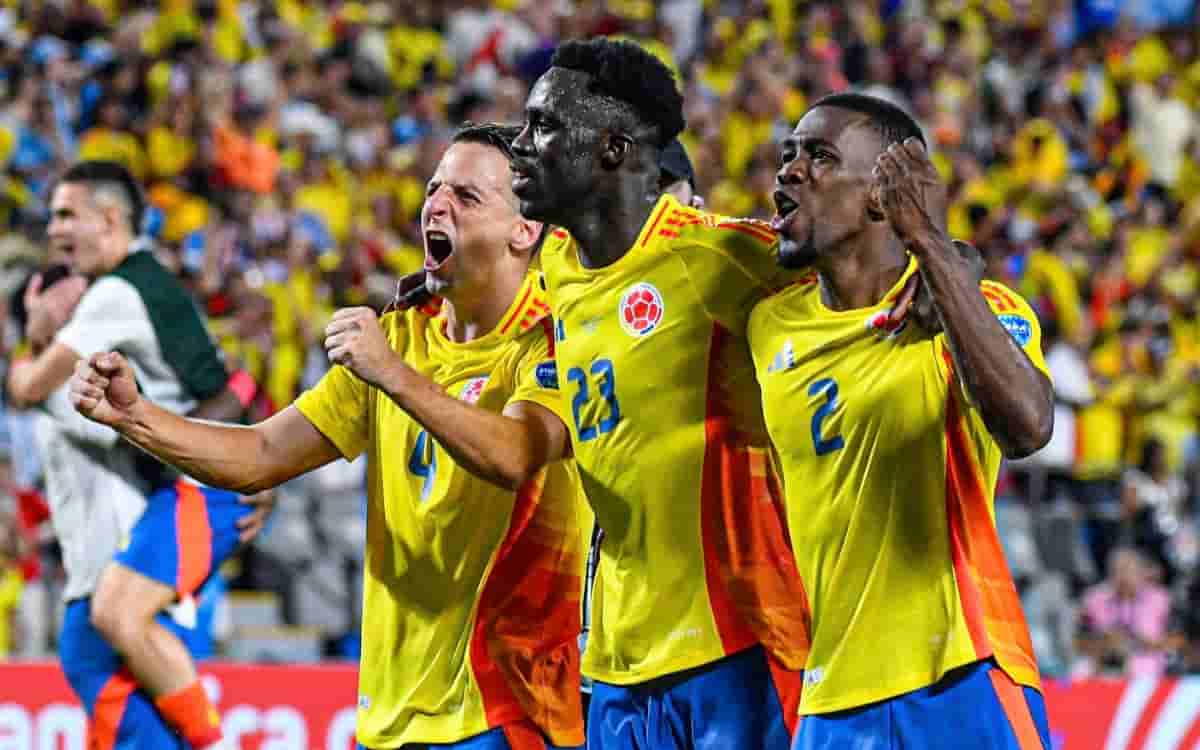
(977, 706)
(522, 735)
(737, 702)
(184, 535)
(120, 716)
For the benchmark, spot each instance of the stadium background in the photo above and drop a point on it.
(285, 148)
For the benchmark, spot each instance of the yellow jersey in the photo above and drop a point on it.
(471, 600)
(667, 431)
(889, 475)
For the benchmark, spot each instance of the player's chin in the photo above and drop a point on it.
(794, 254)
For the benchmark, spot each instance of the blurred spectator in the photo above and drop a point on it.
(1124, 621)
(1154, 500)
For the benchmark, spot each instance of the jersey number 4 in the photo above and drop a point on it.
(423, 462)
(829, 388)
(602, 370)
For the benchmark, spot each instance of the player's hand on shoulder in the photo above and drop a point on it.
(104, 388)
(355, 340)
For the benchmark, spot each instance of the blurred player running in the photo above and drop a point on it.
(890, 439)
(121, 654)
(471, 601)
(695, 574)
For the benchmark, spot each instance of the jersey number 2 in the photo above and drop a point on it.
(423, 462)
(603, 370)
(829, 388)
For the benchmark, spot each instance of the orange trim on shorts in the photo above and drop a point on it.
(523, 735)
(193, 537)
(789, 686)
(1012, 699)
(108, 710)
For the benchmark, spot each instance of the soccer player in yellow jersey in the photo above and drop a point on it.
(471, 603)
(890, 440)
(698, 617)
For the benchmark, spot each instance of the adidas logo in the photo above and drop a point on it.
(784, 360)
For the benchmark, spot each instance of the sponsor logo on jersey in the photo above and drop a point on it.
(785, 359)
(473, 389)
(1018, 327)
(546, 374)
(641, 309)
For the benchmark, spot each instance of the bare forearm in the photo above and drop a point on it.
(493, 447)
(1014, 398)
(222, 455)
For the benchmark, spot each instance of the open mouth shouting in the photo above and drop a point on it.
(785, 211)
(438, 249)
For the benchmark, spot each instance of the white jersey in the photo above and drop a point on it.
(96, 483)
(93, 504)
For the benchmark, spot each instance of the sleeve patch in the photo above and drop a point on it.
(1018, 327)
(546, 374)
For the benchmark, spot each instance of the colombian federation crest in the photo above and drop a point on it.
(641, 309)
(472, 390)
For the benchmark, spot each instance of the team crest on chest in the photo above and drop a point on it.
(641, 309)
(473, 389)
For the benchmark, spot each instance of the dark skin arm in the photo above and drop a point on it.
(1014, 398)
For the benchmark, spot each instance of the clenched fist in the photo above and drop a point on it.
(104, 389)
(355, 340)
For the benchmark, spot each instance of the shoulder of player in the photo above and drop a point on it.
(788, 296)
(1003, 299)
(696, 227)
(115, 293)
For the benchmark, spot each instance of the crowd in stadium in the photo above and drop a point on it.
(285, 148)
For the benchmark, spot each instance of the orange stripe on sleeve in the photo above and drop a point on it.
(108, 711)
(654, 224)
(515, 315)
(761, 235)
(1012, 699)
(193, 535)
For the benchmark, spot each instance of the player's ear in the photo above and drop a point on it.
(525, 235)
(616, 149)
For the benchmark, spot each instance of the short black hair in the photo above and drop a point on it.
(499, 136)
(626, 72)
(893, 124)
(111, 176)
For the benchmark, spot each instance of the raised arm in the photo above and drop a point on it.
(505, 449)
(1014, 397)
(243, 459)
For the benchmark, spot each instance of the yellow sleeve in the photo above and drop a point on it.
(537, 375)
(338, 407)
(733, 264)
(1019, 319)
